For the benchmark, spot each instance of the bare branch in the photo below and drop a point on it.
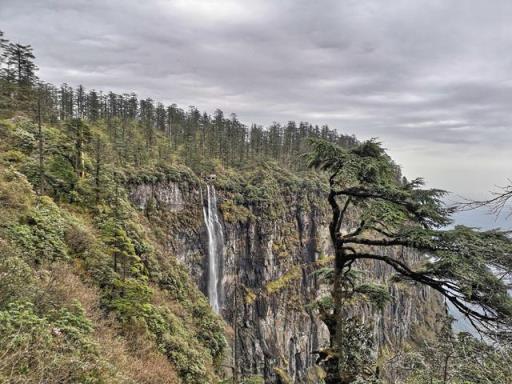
(496, 204)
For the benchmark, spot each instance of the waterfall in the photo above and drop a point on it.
(215, 249)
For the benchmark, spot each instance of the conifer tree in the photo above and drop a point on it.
(462, 262)
(80, 135)
(92, 106)
(3, 47)
(80, 102)
(21, 68)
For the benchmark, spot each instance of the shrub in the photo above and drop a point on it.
(52, 349)
(16, 279)
(40, 234)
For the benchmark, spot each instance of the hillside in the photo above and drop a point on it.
(123, 259)
(90, 280)
(97, 279)
(110, 207)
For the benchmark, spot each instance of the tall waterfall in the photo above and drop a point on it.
(215, 249)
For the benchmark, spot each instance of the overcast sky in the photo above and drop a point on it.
(432, 79)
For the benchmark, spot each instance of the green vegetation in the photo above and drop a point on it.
(456, 359)
(37, 237)
(89, 280)
(399, 213)
(254, 380)
(134, 315)
(283, 281)
(65, 334)
(283, 376)
(68, 162)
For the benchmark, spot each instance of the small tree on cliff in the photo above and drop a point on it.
(466, 266)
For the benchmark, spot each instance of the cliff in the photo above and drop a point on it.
(117, 244)
(87, 293)
(275, 236)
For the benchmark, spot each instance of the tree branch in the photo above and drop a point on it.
(356, 232)
(378, 242)
(342, 214)
(447, 289)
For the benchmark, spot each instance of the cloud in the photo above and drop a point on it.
(431, 78)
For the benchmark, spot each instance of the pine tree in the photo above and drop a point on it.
(21, 68)
(4, 43)
(80, 135)
(66, 102)
(80, 102)
(93, 106)
(399, 213)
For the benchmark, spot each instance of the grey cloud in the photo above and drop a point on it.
(418, 74)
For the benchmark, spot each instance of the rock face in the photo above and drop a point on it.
(267, 279)
(168, 197)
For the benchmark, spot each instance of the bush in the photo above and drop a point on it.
(54, 349)
(40, 234)
(256, 379)
(16, 279)
(15, 192)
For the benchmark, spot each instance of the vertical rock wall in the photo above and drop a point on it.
(268, 283)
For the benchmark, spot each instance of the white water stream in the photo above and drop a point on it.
(215, 249)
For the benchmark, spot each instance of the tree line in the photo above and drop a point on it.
(189, 133)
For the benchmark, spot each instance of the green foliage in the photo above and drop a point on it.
(253, 380)
(190, 352)
(28, 340)
(12, 157)
(128, 298)
(282, 375)
(457, 359)
(351, 360)
(17, 280)
(355, 358)
(357, 289)
(325, 303)
(325, 274)
(315, 375)
(208, 327)
(160, 172)
(363, 164)
(465, 262)
(472, 259)
(259, 192)
(233, 213)
(475, 259)
(464, 265)
(376, 294)
(40, 234)
(369, 176)
(24, 136)
(283, 281)
(177, 343)
(88, 166)
(15, 194)
(116, 255)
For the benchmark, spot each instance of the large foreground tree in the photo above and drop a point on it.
(468, 267)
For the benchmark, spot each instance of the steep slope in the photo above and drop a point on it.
(90, 287)
(275, 233)
(122, 257)
(121, 216)
(133, 242)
